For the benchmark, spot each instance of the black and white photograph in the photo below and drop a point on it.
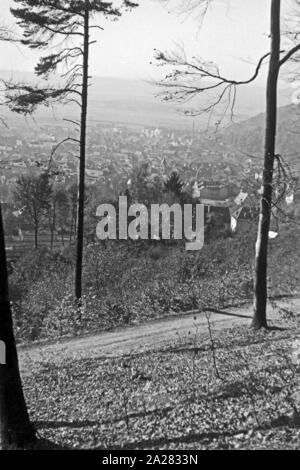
(149, 229)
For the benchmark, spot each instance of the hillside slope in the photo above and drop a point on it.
(248, 136)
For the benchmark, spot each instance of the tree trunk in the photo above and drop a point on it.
(52, 226)
(81, 188)
(71, 230)
(15, 427)
(36, 235)
(261, 249)
(75, 223)
(51, 238)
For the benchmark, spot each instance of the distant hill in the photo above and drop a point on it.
(134, 102)
(248, 136)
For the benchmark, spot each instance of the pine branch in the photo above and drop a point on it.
(24, 99)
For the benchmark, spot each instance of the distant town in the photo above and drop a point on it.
(211, 173)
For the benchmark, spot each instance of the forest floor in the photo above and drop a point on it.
(199, 381)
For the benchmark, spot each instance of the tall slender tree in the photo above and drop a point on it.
(261, 249)
(15, 427)
(65, 25)
(190, 78)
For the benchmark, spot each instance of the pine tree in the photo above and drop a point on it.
(174, 184)
(54, 23)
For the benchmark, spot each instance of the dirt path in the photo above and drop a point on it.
(151, 335)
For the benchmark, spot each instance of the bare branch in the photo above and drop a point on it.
(56, 147)
(77, 123)
(289, 54)
(96, 27)
(193, 77)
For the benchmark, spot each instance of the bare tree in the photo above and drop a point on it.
(34, 192)
(191, 77)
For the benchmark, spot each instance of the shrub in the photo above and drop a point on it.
(126, 283)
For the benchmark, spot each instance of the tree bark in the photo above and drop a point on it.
(261, 249)
(62, 236)
(35, 235)
(15, 427)
(52, 225)
(81, 187)
(71, 230)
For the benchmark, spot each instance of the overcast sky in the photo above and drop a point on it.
(234, 33)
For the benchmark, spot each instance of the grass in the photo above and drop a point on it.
(235, 389)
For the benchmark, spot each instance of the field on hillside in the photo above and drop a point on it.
(16, 247)
(236, 389)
